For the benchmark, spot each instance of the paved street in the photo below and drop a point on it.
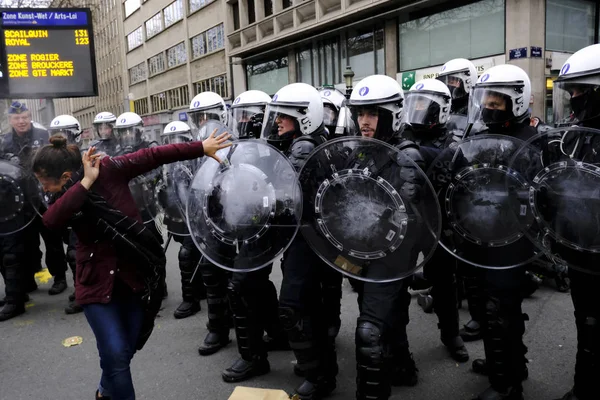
(35, 365)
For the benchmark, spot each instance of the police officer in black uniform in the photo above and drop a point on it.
(382, 350)
(104, 137)
(19, 252)
(500, 101)
(576, 98)
(171, 194)
(426, 112)
(294, 124)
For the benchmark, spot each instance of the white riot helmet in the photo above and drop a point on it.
(207, 106)
(333, 101)
(176, 132)
(427, 104)
(67, 126)
(296, 110)
(500, 96)
(460, 75)
(104, 124)
(247, 114)
(381, 96)
(129, 131)
(576, 94)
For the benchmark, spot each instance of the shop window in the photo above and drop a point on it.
(570, 24)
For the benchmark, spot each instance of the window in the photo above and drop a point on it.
(153, 25)
(251, 12)
(131, 6)
(364, 51)
(218, 84)
(268, 4)
(157, 64)
(269, 76)
(215, 38)
(135, 39)
(236, 16)
(209, 41)
(319, 65)
(179, 97)
(140, 106)
(198, 4)
(159, 102)
(176, 55)
(286, 3)
(432, 40)
(173, 12)
(569, 24)
(137, 73)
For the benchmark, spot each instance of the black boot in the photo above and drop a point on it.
(242, 370)
(512, 393)
(11, 310)
(214, 342)
(479, 366)
(315, 389)
(404, 370)
(3, 301)
(456, 347)
(471, 331)
(187, 309)
(73, 308)
(425, 301)
(101, 397)
(59, 286)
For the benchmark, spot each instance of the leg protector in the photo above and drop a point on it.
(587, 364)
(372, 377)
(302, 334)
(248, 329)
(13, 279)
(215, 281)
(188, 260)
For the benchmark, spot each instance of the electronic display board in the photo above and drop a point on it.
(47, 53)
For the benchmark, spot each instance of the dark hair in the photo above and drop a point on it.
(52, 160)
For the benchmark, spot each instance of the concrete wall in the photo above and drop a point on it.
(526, 27)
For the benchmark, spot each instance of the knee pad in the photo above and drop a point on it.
(369, 344)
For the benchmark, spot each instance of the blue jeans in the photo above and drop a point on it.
(116, 326)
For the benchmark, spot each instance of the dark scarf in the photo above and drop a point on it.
(135, 244)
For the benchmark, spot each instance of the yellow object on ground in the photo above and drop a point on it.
(247, 393)
(72, 341)
(43, 276)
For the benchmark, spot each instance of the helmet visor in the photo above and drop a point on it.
(281, 123)
(104, 130)
(175, 138)
(130, 137)
(330, 115)
(196, 118)
(72, 135)
(422, 109)
(247, 122)
(575, 102)
(455, 83)
(489, 106)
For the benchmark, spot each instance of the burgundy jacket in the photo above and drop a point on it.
(97, 262)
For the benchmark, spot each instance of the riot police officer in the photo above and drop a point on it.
(382, 350)
(576, 99)
(204, 107)
(174, 182)
(426, 112)
(105, 141)
(18, 250)
(294, 124)
(252, 296)
(500, 101)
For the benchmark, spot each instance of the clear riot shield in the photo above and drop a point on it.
(483, 193)
(143, 190)
(20, 198)
(244, 212)
(369, 210)
(564, 195)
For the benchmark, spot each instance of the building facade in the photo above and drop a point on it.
(175, 49)
(110, 55)
(275, 42)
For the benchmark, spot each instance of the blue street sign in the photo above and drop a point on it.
(536, 52)
(517, 53)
